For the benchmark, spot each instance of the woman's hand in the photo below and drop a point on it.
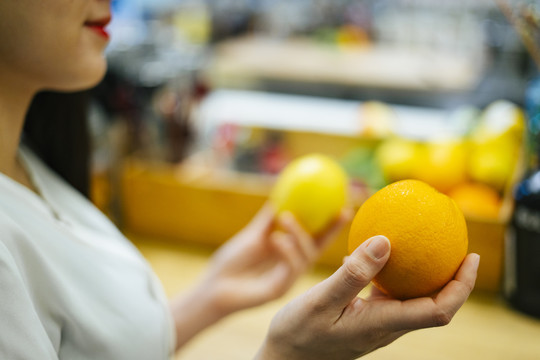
(257, 265)
(263, 260)
(331, 322)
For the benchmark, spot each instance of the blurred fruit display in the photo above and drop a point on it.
(476, 164)
(477, 200)
(442, 164)
(398, 158)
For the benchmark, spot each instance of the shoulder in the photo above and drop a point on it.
(13, 246)
(10, 230)
(23, 333)
(11, 273)
(19, 244)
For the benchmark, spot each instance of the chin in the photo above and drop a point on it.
(80, 80)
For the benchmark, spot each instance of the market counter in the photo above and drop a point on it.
(485, 328)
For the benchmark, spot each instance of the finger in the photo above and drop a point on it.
(457, 291)
(286, 249)
(356, 273)
(427, 312)
(333, 229)
(265, 218)
(278, 280)
(301, 237)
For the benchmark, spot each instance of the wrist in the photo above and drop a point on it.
(193, 312)
(266, 352)
(272, 350)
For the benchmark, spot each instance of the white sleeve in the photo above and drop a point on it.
(22, 335)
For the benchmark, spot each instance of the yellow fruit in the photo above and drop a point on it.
(493, 163)
(496, 143)
(313, 188)
(477, 200)
(427, 232)
(397, 158)
(500, 118)
(352, 36)
(377, 119)
(442, 164)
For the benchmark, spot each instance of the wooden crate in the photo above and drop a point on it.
(207, 207)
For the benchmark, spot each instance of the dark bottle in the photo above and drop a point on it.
(522, 253)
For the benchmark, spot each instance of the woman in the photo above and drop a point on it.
(74, 288)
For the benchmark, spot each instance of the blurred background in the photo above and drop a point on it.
(206, 101)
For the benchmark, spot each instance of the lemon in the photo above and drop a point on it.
(314, 188)
(398, 158)
(496, 143)
(442, 164)
(377, 119)
(499, 121)
(503, 116)
(493, 163)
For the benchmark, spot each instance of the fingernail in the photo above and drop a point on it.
(476, 262)
(348, 214)
(377, 247)
(286, 217)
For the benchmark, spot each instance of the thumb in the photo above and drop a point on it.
(356, 272)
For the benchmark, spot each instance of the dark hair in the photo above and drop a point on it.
(56, 129)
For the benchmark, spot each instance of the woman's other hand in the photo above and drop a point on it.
(263, 260)
(257, 265)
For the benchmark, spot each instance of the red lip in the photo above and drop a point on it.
(99, 26)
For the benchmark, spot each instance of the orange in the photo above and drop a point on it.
(427, 232)
(314, 188)
(477, 200)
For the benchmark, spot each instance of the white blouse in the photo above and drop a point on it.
(71, 285)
